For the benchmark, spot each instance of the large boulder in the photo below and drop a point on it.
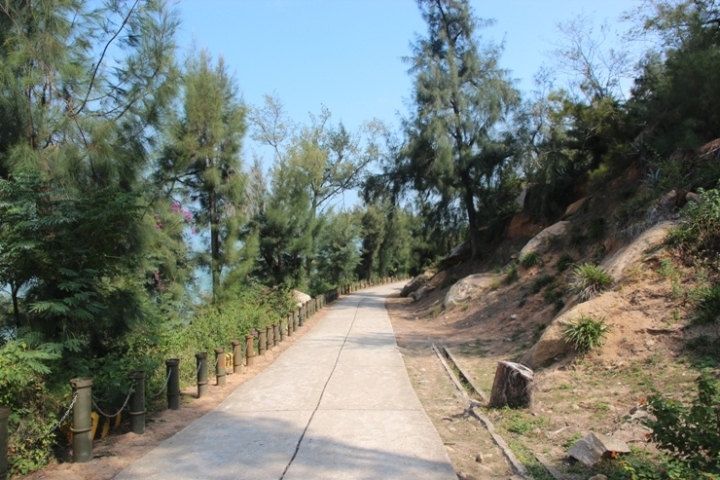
(620, 315)
(300, 297)
(469, 287)
(416, 283)
(458, 255)
(617, 264)
(574, 207)
(558, 229)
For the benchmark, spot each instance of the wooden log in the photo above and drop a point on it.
(512, 387)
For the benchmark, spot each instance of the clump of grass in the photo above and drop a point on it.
(564, 262)
(708, 305)
(511, 274)
(530, 259)
(541, 282)
(585, 333)
(589, 280)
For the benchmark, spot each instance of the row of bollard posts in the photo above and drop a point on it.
(267, 338)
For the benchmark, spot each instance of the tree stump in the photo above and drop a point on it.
(513, 386)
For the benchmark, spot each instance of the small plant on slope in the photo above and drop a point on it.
(689, 433)
(585, 333)
(530, 259)
(589, 280)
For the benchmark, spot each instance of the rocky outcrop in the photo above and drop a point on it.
(616, 265)
(421, 292)
(574, 207)
(469, 287)
(301, 297)
(558, 229)
(621, 316)
(417, 282)
(458, 255)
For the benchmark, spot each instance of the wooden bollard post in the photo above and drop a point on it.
(202, 374)
(276, 334)
(249, 350)
(220, 372)
(173, 383)
(301, 315)
(262, 341)
(237, 356)
(137, 404)
(4, 415)
(283, 329)
(290, 324)
(270, 336)
(82, 421)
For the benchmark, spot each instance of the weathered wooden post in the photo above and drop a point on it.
(283, 329)
(137, 403)
(291, 323)
(276, 334)
(4, 415)
(173, 383)
(237, 356)
(220, 371)
(82, 421)
(249, 350)
(270, 337)
(262, 341)
(202, 374)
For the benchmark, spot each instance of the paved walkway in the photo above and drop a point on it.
(337, 404)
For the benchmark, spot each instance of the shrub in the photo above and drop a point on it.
(564, 262)
(708, 307)
(541, 282)
(589, 280)
(585, 333)
(511, 274)
(689, 433)
(699, 232)
(530, 259)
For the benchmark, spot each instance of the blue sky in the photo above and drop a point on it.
(347, 54)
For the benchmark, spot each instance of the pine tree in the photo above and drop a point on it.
(75, 141)
(461, 97)
(202, 161)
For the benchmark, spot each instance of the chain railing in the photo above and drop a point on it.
(266, 339)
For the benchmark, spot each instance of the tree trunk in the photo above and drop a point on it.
(513, 386)
(473, 227)
(215, 267)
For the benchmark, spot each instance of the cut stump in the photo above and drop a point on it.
(512, 387)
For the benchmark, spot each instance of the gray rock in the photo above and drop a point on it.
(417, 282)
(592, 448)
(559, 229)
(469, 287)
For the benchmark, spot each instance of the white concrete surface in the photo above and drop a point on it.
(337, 404)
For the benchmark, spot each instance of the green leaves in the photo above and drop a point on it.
(689, 433)
(585, 333)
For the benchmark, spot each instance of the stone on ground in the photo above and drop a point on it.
(468, 288)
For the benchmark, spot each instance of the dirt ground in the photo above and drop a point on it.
(602, 392)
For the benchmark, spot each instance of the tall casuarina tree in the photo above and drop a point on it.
(203, 160)
(461, 99)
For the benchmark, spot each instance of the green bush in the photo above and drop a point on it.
(511, 274)
(689, 434)
(699, 232)
(541, 282)
(589, 280)
(564, 262)
(530, 259)
(585, 333)
(708, 306)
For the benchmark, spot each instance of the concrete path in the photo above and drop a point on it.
(337, 404)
